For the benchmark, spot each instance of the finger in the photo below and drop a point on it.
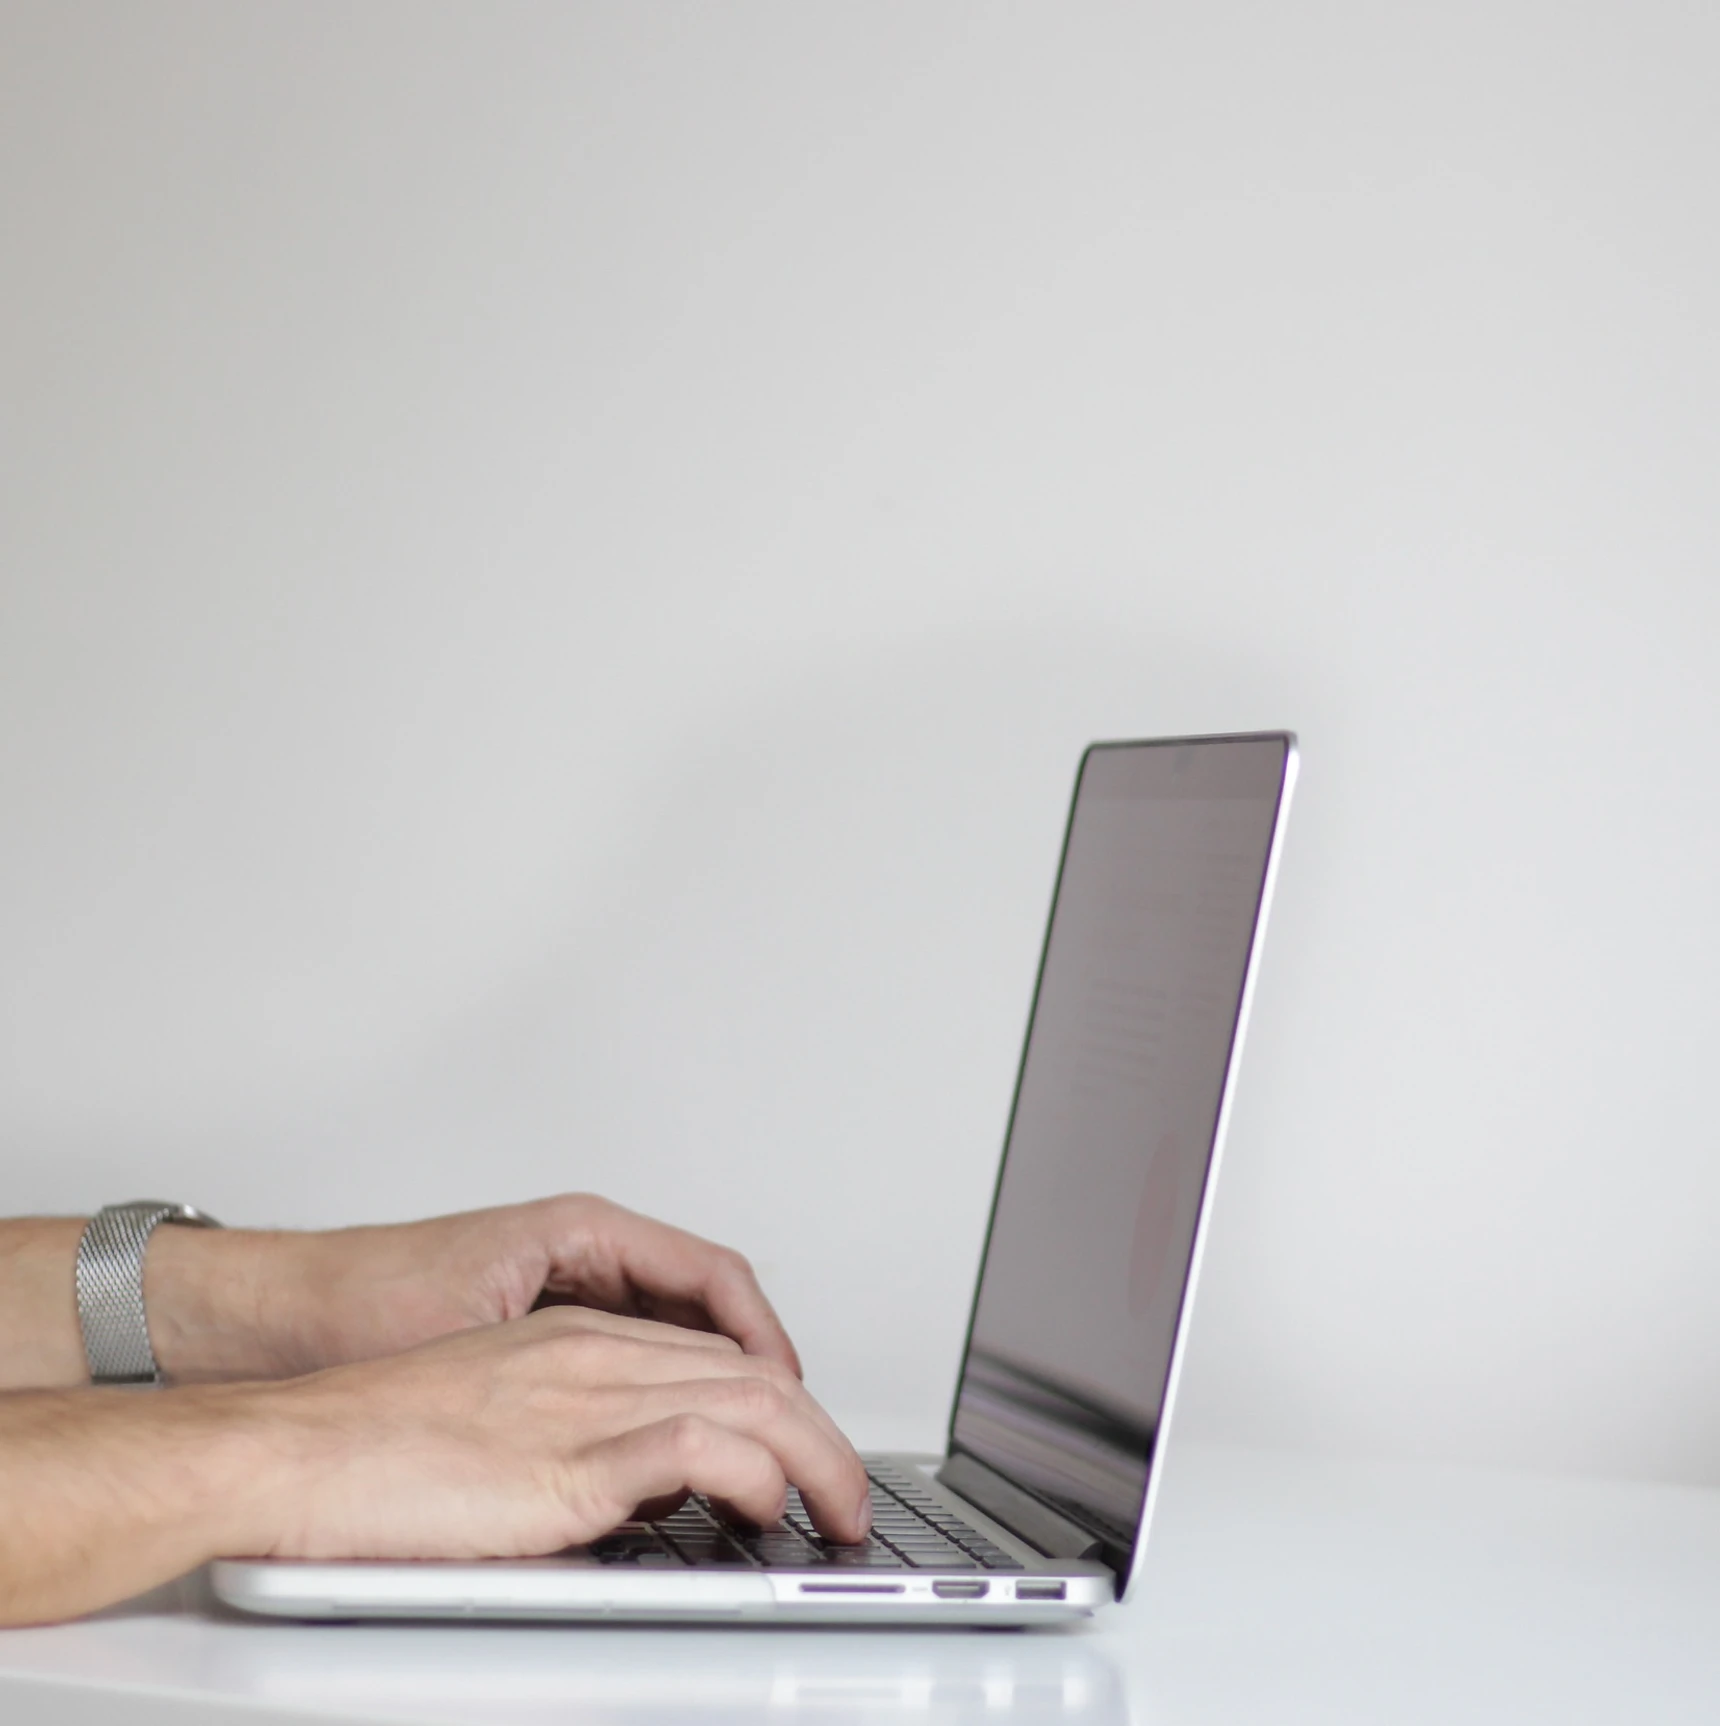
(809, 1452)
(599, 1343)
(629, 1253)
(600, 1360)
(655, 1509)
(681, 1453)
(561, 1319)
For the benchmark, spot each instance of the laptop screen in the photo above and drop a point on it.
(1116, 1119)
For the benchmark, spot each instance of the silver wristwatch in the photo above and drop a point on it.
(110, 1287)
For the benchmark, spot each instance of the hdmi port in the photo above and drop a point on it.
(1040, 1590)
(960, 1590)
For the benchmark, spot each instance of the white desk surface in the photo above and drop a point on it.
(1281, 1589)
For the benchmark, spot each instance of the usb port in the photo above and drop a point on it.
(1041, 1590)
(960, 1590)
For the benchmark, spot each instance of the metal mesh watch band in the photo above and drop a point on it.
(110, 1287)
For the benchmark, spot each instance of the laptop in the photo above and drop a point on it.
(1039, 1509)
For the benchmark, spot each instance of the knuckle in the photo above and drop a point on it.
(593, 1498)
(572, 1207)
(759, 1399)
(585, 1352)
(689, 1437)
(735, 1264)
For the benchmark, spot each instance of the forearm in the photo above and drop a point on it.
(40, 1343)
(220, 1303)
(228, 1303)
(104, 1493)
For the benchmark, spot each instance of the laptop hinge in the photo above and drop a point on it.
(1020, 1512)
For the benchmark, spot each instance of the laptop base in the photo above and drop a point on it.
(575, 1587)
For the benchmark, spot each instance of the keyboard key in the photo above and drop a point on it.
(911, 1529)
(712, 1549)
(628, 1546)
(778, 1556)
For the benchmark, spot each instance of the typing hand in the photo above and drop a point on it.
(529, 1436)
(505, 1440)
(245, 1304)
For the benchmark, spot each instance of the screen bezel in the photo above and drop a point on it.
(1127, 1564)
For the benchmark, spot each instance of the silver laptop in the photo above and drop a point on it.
(1040, 1508)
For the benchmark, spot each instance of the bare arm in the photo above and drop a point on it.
(511, 1439)
(252, 1303)
(205, 1299)
(39, 1339)
(104, 1493)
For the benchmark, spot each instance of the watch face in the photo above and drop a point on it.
(170, 1212)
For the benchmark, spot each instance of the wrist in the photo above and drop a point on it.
(225, 1303)
(224, 1479)
(264, 1449)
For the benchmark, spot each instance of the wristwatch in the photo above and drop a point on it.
(110, 1287)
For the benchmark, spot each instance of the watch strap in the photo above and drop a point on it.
(110, 1287)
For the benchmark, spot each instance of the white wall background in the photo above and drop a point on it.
(555, 562)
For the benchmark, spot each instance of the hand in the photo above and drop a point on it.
(236, 1303)
(526, 1437)
(507, 1440)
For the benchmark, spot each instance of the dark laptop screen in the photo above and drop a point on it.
(1116, 1113)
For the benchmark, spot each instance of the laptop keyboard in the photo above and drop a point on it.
(911, 1530)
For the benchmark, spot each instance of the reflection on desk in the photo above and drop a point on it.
(686, 1674)
(532, 1673)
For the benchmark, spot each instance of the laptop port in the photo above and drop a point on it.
(960, 1590)
(1041, 1590)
